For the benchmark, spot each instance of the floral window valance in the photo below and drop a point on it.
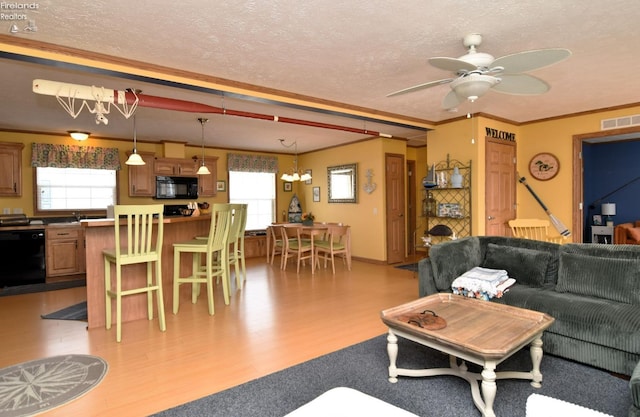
(73, 156)
(252, 163)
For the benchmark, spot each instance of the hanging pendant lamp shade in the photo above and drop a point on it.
(203, 170)
(134, 158)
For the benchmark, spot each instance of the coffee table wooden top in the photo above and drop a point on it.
(487, 329)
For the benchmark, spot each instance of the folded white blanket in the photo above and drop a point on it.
(484, 282)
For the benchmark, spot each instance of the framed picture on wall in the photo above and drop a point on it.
(287, 186)
(310, 181)
(316, 194)
(221, 185)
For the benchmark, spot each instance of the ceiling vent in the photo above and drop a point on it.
(620, 122)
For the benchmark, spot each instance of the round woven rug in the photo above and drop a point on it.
(37, 386)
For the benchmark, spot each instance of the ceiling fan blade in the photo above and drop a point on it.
(523, 84)
(452, 64)
(531, 60)
(450, 101)
(420, 87)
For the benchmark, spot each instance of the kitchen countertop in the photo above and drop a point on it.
(166, 220)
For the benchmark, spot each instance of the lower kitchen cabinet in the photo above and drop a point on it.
(255, 246)
(65, 254)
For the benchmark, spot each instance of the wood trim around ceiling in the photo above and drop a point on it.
(44, 50)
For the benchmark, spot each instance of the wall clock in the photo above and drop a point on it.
(544, 166)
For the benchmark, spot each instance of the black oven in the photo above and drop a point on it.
(22, 259)
(176, 188)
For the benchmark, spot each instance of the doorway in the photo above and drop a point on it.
(580, 208)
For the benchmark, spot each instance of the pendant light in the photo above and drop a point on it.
(134, 158)
(294, 174)
(203, 170)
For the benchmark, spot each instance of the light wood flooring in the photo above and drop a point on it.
(278, 320)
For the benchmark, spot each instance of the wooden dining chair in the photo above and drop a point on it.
(274, 235)
(141, 243)
(294, 245)
(236, 239)
(536, 229)
(215, 250)
(336, 243)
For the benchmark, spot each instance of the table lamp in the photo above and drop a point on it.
(609, 209)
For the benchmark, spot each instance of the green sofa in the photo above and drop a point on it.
(592, 291)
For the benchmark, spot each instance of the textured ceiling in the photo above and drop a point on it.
(353, 52)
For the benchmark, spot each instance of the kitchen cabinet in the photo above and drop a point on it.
(175, 166)
(142, 180)
(11, 169)
(65, 251)
(255, 246)
(207, 183)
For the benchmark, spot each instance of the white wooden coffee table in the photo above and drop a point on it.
(480, 332)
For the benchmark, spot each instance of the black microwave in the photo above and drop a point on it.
(176, 188)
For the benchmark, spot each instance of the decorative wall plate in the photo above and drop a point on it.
(544, 166)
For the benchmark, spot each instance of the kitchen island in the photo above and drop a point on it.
(99, 235)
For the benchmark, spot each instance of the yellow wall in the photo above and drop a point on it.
(367, 217)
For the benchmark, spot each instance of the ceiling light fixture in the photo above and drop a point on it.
(77, 135)
(473, 86)
(203, 170)
(134, 158)
(294, 174)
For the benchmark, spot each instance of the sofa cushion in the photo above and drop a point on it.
(593, 320)
(610, 278)
(526, 266)
(451, 259)
(634, 233)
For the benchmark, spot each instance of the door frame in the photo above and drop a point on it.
(578, 174)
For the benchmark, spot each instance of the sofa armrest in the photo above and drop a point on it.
(634, 384)
(426, 283)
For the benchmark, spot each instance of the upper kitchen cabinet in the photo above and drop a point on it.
(142, 178)
(175, 166)
(11, 169)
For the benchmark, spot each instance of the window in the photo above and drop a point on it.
(75, 188)
(258, 190)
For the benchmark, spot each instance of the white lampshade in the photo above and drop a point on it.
(203, 170)
(608, 209)
(135, 159)
(473, 86)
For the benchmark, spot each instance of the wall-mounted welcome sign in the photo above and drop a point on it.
(500, 134)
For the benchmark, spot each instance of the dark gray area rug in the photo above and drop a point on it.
(74, 312)
(409, 267)
(53, 286)
(364, 367)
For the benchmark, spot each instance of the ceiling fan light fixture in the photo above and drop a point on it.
(473, 86)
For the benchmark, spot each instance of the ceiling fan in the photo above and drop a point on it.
(477, 72)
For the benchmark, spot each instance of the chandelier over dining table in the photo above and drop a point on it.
(294, 174)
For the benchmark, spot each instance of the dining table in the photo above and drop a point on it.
(317, 230)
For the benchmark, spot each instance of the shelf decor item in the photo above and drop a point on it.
(456, 178)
